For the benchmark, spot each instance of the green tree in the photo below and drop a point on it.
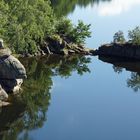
(75, 34)
(134, 36)
(119, 37)
(26, 24)
(134, 81)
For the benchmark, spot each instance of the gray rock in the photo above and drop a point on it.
(12, 85)
(125, 50)
(5, 52)
(3, 94)
(12, 73)
(11, 68)
(1, 44)
(71, 51)
(64, 52)
(17, 88)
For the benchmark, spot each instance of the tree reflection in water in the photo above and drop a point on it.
(28, 110)
(133, 66)
(134, 81)
(64, 7)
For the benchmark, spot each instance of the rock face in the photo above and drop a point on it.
(63, 47)
(126, 50)
(11, 68)
(3, 94)
(12, 73)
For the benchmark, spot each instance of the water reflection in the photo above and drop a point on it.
(119, 64)
(116, 7)
(134, 81)
(63, 8)
(107, 8)
(28, 110)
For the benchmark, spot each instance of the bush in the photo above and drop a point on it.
(80, 33)
(134, 36)
(75, 34)
(25, 23)
(63, 27)
(119, 37)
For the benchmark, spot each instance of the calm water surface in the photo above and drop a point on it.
(81, 98)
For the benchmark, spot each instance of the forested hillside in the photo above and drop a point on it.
(26, 25)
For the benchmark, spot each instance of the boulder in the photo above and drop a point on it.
(12, 73)
(3, 94)
(11, 68)
(1, 44)
(5, 52)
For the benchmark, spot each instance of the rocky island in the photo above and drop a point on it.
(121, 50)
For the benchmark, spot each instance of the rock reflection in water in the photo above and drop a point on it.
(119, 64)
(28, 110)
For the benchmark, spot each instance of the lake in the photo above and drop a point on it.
(80, 97)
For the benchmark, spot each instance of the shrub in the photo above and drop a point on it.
(63, 27)
(75, 34)
(118, 37)
(134, 36)
(80, 33)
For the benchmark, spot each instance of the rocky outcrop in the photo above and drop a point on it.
(3, 94)
(12, 73)
(63, 47)
(126, 50)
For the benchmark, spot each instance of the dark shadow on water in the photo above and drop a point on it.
(28, 109)
(120, 64)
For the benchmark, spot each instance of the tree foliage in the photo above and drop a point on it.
(134, 35)
(25, 23)
(119, 37)
(134, 81)
(76, 34)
